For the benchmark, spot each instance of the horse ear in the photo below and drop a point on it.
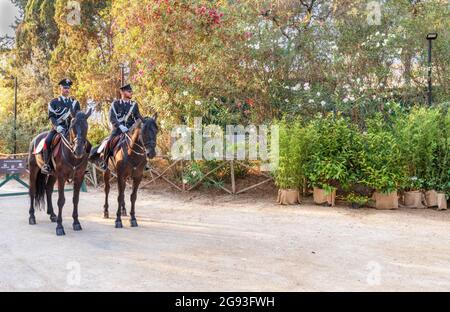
(138, 123)
(155, 116)
(89, 113)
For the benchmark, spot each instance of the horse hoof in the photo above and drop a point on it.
(60, 231)
(53, 218)
(119, 224)
(77, 227)
(32, 220)
(133, 223)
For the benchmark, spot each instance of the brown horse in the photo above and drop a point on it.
(70, 158)
(129, 159)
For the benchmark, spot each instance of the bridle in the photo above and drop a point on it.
(128, 141)
(71, 148)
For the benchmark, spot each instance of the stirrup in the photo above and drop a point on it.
(46, 169)
(103, 165)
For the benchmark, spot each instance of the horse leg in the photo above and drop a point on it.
(106, 178)
(120, 199)
(49, 190)
(136, 182)
(61, 202)
(122, 205)
(32, 192)
(124, 210)
(76, 197)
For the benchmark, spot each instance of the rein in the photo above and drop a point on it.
(128, 141)
(72, 151)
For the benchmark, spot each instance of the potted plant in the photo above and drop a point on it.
(293, 148)
(413, 196)
(381, 164)
(418, 134)
(329, 163)
(357, 201)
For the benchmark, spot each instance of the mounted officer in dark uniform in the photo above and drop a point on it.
(60, 112)
(122, 115)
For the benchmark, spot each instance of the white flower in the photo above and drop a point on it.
(381, 84)
(345, 100)
(270, 80)
(377, 33)
(311, 101)
(299, 105)
(323, 103)
(286, 100)
(197, 102)
(378, 44)
(296, 87)
(185, 93)
(306, 86)
(318, 93)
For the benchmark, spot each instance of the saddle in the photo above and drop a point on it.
(110, 145)
(55, 144)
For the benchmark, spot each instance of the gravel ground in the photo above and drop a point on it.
(198, 242)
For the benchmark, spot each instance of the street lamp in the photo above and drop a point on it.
(430, 38)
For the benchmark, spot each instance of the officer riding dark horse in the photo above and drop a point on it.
(60, 112)
(68, 148)
(122, 116)
(131, 143)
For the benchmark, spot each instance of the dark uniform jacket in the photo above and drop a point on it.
(60, 110)
(123, 113)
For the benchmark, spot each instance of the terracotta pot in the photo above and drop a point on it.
(385, 201)
(432, 198)
(288, 197)
(414, 199)
(320, 197)
(442, 201)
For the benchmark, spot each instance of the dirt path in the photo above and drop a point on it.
(223, 243)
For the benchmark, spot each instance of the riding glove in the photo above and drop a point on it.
(123, 128)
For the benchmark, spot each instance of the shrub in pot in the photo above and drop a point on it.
(293, 149)
(381, 164)
(357, 201)
(418, 135)
(330, 161)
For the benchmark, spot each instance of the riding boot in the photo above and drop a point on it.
(46, 169)
(104, 163)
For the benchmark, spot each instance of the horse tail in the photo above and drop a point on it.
(39, 195)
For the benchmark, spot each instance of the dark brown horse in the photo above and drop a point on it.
(129, 159)
(70, 157)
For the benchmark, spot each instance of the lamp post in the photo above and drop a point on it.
(430, 38)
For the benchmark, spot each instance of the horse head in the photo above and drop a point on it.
(78, 132)
(149, 131)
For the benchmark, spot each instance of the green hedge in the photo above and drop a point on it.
(397, 150)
